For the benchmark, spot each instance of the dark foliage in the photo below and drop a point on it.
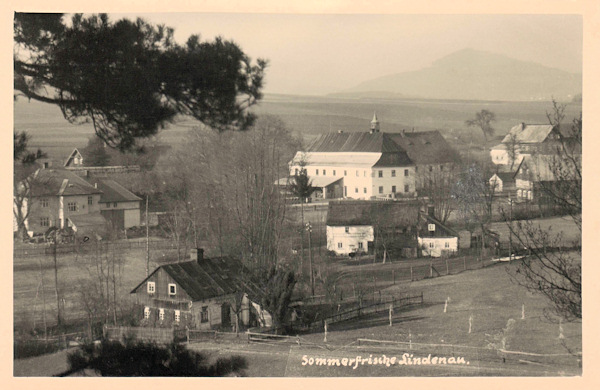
(129, 78)
(112, 358)
(280, 283)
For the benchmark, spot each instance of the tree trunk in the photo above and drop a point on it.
(58, 311)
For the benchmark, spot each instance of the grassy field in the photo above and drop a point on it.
(487, 295)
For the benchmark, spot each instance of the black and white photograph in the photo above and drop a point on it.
(298, 194)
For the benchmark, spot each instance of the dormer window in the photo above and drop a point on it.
(151, 287)
(172, 289)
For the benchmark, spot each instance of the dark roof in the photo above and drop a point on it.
(54, 182)
(506, 177)
(114, 192)
(426, 147)
(367, 213)
(74, 153)
(441, 230)
(354, 142)
(208, 278)
(398, 159)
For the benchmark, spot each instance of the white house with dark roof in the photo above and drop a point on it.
(434, 238)
(370, 164)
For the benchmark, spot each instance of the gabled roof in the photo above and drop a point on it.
(208, 278)
(57, 182)
(441, 230)
(354, 142)
(114, 192)
(72, 156)
(528, 133)
(369, 213)
(506, 177)
(546, 167)
(426, 147)
(399, 159)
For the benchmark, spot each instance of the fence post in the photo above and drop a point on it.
(465, 263)
(447, 271)
(394, 275)
(187, 335)
(411, 274)
(430, 270)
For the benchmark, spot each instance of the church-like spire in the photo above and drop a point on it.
(374, 124)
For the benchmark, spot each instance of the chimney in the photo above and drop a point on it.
(197, 254)
(523, 125)
(95, 185)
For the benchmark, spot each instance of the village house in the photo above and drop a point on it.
(62, 199)
(536, 175)
(434, 238)
(365, 165)
(363, 226)
(429, 151)
(524, 139)
(75, 159)
(503, 183)
(202, 293)
(118, 205)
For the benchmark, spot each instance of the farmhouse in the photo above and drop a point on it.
(202, 293)
(370, 165)
(59, 198)
(75, 159)
(363, 226)
(524, 139)
(434, 238)
(537, 175)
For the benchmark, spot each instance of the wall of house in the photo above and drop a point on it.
(436, 246)
(53, 211)
(350, 242)
(357, 183)
(387, 181)
(496, 182)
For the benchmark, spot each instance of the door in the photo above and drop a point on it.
(225, 315)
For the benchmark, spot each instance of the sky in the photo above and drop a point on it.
(320, 54)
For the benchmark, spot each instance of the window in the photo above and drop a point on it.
(365, 190)
(115, 204)
(347, 229)
(161, 314)
(381, 189)
(72, 206)
(431, 244)
(430, 168)
(90, 200)
(172, 289)
(44, 221)
(324, 172)
(317, 172)
(365, 173)
(446, 245)
(406, 188)
(334, 172)
(360, 245)
(356, 190)
(393, 189)
(296, 172)
(345, 191)
(177, 315)
(146, 312)
(44, 202)
(393, 173)
(151, 287)
(416, 169)
(204, 314)
(406, 172)
(345, 173)
(340, 245)
(357, 174)
(380, 174)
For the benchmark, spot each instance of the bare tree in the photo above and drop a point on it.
(513, 149)
(436, 190)
(483, 120)
(554, 268)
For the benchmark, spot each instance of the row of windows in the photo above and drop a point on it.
(394, 190)
(161, 314)
(379, 173)
(172, 288)
(71, 205)
(341, 245)
(432, 245)
(525, 194)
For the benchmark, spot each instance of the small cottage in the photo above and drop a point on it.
(434, 238)
(202, 293)
(503, 183)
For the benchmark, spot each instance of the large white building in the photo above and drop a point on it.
(370, 164)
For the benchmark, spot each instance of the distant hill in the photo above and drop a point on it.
(476, 75)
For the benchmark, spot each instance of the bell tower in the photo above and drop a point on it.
(374, 124)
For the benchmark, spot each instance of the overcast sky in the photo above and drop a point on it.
(319, 54)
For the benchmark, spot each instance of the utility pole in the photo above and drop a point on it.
(147, 241)
(510, 230)
(312, 280)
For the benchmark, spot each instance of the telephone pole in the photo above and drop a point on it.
(147, 241)
(312, 280)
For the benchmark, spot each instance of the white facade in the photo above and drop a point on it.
(435, 246)
(360, 175)
(349, 239)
